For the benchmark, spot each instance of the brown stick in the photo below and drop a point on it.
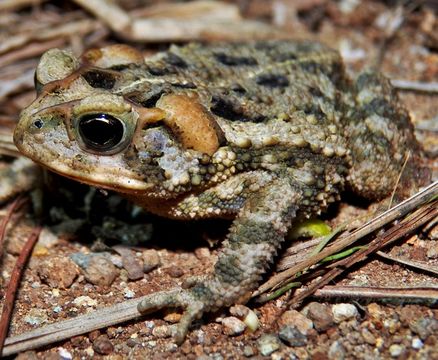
(14, 206)
(424, 294)
(17, 272)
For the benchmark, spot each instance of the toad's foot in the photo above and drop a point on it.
(193, 305)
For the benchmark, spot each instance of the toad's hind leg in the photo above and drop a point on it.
(254, 238)
(380, 137)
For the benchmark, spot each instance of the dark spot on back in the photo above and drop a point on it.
(266, 45)
(187, 85)
(157, 70)
(367, 80)
(311, 66)
(288, 56)
(231, 110)
(225, 108)
(100, 79)
(272, 80)
(380, 107)
(175, 60)
(337, 73)
(314, 109)
(315, 91)
(306, 47)
(153, 98)
(146, 99)
(120, 67)
(231, 60)
(238, 89)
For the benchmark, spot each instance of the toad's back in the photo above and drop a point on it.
(290, 93)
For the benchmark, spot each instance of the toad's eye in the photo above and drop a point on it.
(101, 132)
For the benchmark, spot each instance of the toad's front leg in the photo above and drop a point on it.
(254, 238)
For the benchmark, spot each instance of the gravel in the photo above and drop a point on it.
(232, 326)
(102, 345)
(57, 271)
(321, 315)
(342, 312)
(295, 319)
(151, 260)
(100, 271)
(292, 336)
(267, 344)
(396, 350)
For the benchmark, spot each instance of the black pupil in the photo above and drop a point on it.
(101, 131)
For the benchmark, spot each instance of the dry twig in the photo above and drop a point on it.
(429, 87)
(10, 5)
(414, 264)
(14, 283)
(427, 295)
(16, 204)
(80, 27)
(7, 146)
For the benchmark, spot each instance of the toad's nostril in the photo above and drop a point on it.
(38, 124)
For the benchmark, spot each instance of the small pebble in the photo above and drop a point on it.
(171, 347)
(396, 350)
(375, 311)
(247, 315)
(58, 271)
(202, 253)
(336, 351)
(321, 315)
(94, 335)
(149, 324)
(368, 336)
(151, 344)
(295, 319)
(432, 251)
(89, 351)
(100, 271)
(84, 301)
(102, 345)
(128, 293)
(64, 354)
(151, 260)
(174, 271)
(131, 263)
(292, 336)
(162, 331)
(267, 344)
(36, 317)
(172, 317)
(80, 341)
(248, 351)
(424, 327)
(342, 312)
(132, 342)
(232, 326)
(417, 343)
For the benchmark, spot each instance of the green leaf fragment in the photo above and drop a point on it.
(309, 228)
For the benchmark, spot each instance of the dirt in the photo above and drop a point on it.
(63, 279)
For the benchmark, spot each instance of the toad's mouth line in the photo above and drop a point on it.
(114, 179)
